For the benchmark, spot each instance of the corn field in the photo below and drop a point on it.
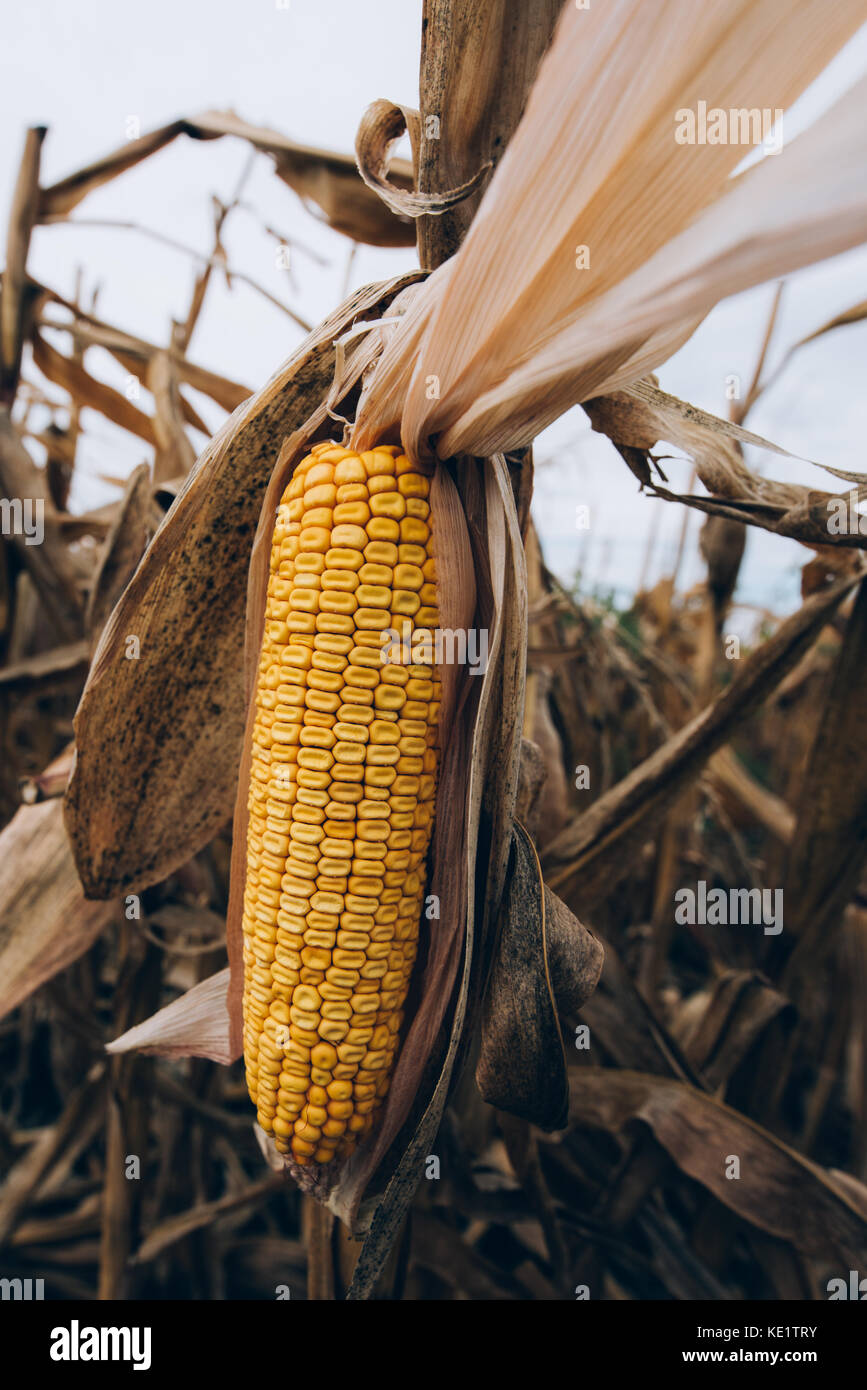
(383, 914)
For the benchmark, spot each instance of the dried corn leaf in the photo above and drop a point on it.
(764, 225)
(641, 415)
(828, 850)
(739, 1010)
(670, 414)
(591, 852)
(329, 180)
(522, 1061)
(87, 390)
(122, 548)
(13, 295)
(382, 124)
(58, 1145)
(856, 314)
(175, 455)
(803, 518)
(46, 669)
(135, 353)
(50, 565)
(177, 1227)
(45, 923)
(778, 1190)
(753, 803)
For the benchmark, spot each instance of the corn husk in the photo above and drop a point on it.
(670, 232)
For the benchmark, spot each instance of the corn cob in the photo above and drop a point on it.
(341, 798)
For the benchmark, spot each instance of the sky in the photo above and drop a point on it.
(89, 70)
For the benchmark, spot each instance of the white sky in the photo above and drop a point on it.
(309, 70)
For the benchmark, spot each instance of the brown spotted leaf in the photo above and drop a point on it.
(522, 1062)
(123, 547)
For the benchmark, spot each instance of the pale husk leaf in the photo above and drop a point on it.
(667, 238)
(195, 1025)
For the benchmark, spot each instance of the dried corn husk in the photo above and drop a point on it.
(668, 230)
